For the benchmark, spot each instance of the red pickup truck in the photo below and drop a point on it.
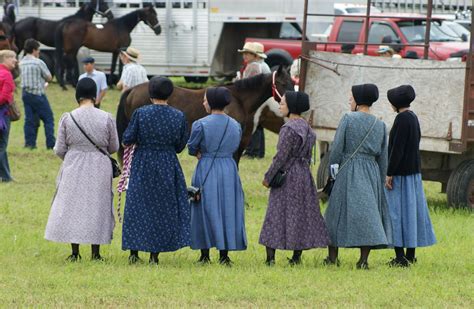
(403, 29)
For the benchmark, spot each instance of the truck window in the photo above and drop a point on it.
(380, 30)
(349, 31)
(414, 31)
(288, 31)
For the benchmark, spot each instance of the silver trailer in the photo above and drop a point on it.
(200, 38)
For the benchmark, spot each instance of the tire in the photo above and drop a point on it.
(49, 61)
(276, 57)
(196, 79)
(460, 190)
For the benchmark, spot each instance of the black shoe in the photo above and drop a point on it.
(395, 262)
(294, 262)
(270, 263)
(154, 261)
(97, 257)
(362, 265)
(134, 259)
(328, 262)
(204, 260)
(412, 261)
(50, 148)
(30, 147)
(74, 258)
(226, 261)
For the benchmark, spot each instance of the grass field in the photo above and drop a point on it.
(33, 272)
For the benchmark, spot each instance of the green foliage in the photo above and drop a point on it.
(34, 272)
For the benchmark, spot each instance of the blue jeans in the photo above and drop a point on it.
(4, 166)
(37, 108)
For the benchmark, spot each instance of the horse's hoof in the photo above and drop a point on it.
(64, 88)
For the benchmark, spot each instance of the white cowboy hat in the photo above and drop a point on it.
(253, 48)
(131, 53)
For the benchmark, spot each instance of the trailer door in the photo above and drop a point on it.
(187, 33)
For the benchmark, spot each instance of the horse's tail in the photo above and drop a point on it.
(122, 120)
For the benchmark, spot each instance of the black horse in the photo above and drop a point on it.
(43, 30)
(115, 34)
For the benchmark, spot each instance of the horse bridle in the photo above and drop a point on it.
(103, 14)
(275, 93)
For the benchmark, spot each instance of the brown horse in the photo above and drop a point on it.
(247, 96)
(43, 30)
(115, 34)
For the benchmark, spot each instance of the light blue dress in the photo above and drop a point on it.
(218, 219)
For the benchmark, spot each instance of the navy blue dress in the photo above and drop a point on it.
(157, 214)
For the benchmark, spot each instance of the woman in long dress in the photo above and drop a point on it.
(357, 215)
(406, 199)
(217, 220)
(293, 220)
(82, 209)
(156, 214)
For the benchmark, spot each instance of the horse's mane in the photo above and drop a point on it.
(253, 82)
(127, 19)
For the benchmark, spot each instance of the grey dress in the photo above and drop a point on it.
(357, 214)
(82, 209)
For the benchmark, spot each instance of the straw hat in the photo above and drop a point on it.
(131, 53)
(253, 48)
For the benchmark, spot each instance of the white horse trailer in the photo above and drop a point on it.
(200, 38)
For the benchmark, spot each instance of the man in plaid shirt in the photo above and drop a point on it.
(34, 78)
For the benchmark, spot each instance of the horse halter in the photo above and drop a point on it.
(275, 93)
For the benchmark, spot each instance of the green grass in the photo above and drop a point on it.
(33, 271)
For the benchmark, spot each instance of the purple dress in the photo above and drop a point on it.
(293, 220)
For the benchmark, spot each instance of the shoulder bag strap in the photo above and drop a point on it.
(360, 145)
(87, 136)
(215, 154)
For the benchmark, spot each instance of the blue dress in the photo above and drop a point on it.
(156, 215)
(218, 219)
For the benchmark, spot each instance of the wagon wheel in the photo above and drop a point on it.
(460, 188)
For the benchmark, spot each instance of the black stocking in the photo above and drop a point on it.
(154, 257)
(400, 254)
(95, 251)
(134, 253)
(364, 254)
(333, 253)
(205, 257)
(223, 254)
(297, 255)
(411, 255)
(270, 254)
(75, 249)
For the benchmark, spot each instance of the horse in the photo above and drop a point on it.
(8, 20)
(115, 34)
(247, 96)
(43, 30)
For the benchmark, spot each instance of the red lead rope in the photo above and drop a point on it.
(123, 181)
(276, 95)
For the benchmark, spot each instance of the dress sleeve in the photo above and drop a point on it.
(197, 135)
(61, 147)
(183, 137)
(130, 136)
(338, 145)
(113, 145)
(286, 143)
(382, 159)
(398, 136)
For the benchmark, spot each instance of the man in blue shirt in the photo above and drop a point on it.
(99, 78)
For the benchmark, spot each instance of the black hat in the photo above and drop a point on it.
(365, 94)
(218, 97)
(86, 88)
(160, 88)
(88, 60)
(401, 96)
(298, 102)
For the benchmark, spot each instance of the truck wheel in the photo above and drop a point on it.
(276, 57)
(196, 79)
(460, 188)
(323, 171)
(49, 61)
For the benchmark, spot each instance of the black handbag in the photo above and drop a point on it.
(115, 166)
(280, 177)
(194, 193)
(330, 183)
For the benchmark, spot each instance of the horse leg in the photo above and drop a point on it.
(60, 71)
(112, 68)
